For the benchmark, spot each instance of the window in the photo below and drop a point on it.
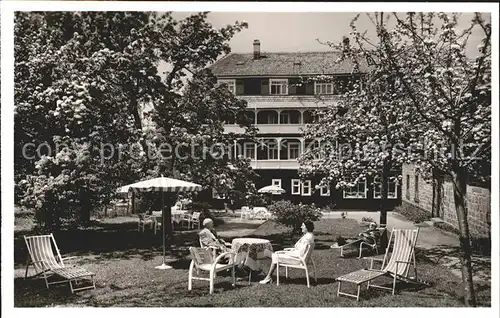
(323, 88)
(272, 118)
(407, 187)
(296, 186)
(293, 150)
(278, 87)
(249, 149)
(391, 188)
(356, 192)
(272, 151)
(276, 182)
(284, 118)
(324, 191)
(306, 187)
(416, 189)
(231, 84)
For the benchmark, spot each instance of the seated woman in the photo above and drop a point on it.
(291, 254)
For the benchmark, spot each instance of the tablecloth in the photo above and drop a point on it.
(249, 251)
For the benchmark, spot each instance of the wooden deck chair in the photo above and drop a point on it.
(41, 256)
(290, 261)
(203, 260)
(396, 266)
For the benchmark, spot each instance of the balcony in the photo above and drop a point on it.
(268, 129)
(289, 101)
(275, 164)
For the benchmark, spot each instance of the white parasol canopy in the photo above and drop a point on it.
(272, 189)
(162, 185)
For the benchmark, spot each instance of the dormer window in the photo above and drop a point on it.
(278, 86)
(231, 84)
(323, 88)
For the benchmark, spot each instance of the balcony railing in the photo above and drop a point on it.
(292, 164)
(289, 101)
(268, 128)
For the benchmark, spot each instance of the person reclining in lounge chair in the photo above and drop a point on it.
(370, 236)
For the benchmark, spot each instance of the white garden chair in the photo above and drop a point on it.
(287, 260)
(41, 255)
(203, 260)
(145, 220)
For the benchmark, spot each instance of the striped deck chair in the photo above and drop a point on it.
(41, 255)
(397, 266)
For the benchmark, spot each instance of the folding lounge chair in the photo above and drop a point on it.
(41, 256)
(397, 266)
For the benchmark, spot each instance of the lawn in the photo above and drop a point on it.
(124, 262)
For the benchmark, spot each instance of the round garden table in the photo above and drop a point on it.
(249, 251)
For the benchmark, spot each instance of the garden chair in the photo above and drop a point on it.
(396, 266)
(157, 218)
(195, 220)
(41, 256)
(245, 212)
(301, 262)
(145, 220)
(203, 260)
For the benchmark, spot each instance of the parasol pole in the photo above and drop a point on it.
(163, 265)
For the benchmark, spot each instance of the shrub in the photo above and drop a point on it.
(292, 215)
(413, 213)
(203, 207)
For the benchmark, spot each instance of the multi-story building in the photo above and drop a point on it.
(281, 104)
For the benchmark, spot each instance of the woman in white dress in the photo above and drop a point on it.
(291, 254)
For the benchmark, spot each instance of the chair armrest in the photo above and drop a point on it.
(289, 249)
(228, 244)
(403, 262)
(221, 256)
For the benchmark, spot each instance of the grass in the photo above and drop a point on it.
(124, 262)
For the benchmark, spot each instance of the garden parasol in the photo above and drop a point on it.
(162, 185)
(272, 189)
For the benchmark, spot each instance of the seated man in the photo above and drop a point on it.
(209, 238)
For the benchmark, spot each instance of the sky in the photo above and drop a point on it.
(300, 31)
(293, 32)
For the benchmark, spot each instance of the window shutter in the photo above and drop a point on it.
(264, 87)
(292, 87)
(240, 87)
(309, 88)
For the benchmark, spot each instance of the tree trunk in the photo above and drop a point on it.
(437, 193)
(383, 192)
(459, 175)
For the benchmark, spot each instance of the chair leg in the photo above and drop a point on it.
(314, 268)
(357, 296)
(46, 281)
(190, 277)
(338, 289)
(27, 267)
(286, 272)
(212, 277)
(234, 276)
(250, 277)
(307, 278)
(394, 285)
(277, 274)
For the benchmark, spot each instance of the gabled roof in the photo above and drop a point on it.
(271, 64)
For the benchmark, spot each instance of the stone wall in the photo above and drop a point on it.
(419, 193)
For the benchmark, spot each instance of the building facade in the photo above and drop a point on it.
(280, 103)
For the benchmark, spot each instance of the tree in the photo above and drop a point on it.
(448, 95)
(363, 133)
(83, 79)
